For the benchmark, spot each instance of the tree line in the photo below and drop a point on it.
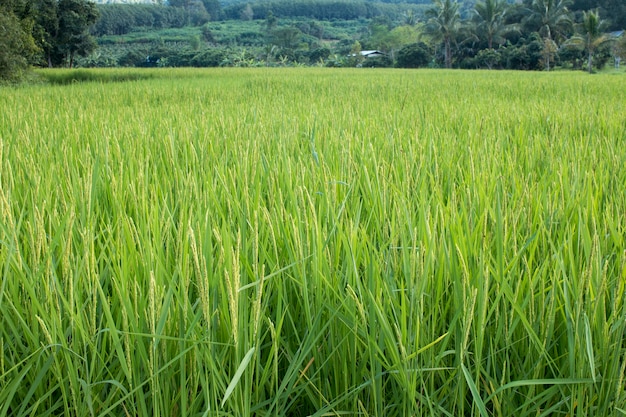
(44, 33)
(492, 34)
(316, 9)
(533, 34)
(119, 19)
(511, 34)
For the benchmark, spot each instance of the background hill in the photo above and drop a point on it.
(127, 1)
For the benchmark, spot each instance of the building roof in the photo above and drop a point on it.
(372, 53)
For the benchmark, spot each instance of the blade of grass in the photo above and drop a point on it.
(475, 394)
(240, 370)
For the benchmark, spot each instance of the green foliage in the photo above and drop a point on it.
(313, 242)
(207, 34)
(383, 36)
(61, 30)
(46, 30)
(286, 37)
(465, 34)
(443, 24)
(209, 58)
(488, 58)
(120, 19)
(593, 37)
(213, 8)
(415, 55)
(316, 9)
(73, 38)
(572, 56)
(16, 45)
(171, 35)
(198, 12)
(612, 11)
(526, 54)
(377, 62)
(550, 18)
(319, 55)
(62, 77)
(490, 17)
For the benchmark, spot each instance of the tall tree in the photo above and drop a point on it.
(16, 42)
(591, 35)
(75, 18)
(286, 37)
(443, 25)
(490, 19)
(409, 18)
(552, 20)
(270, 22)
(46, 29)
(247, 13)
(614, 11)
(214, 8)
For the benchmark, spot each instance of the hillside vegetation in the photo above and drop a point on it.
(491, 34)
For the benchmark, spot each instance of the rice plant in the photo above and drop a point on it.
(313, 242)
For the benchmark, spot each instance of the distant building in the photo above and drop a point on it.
(372, 54)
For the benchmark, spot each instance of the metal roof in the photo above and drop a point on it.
(367, 53)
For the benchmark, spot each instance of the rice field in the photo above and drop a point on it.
(313, 242)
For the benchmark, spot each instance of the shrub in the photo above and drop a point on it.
(318, 54)
(488, 58)
(415, 55)
(209, 58)
(525, 55)
(135, 58)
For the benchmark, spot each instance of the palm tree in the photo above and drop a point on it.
(552, 19)
(490, 19)
(591, 35)
(409, 18)
(443, 24)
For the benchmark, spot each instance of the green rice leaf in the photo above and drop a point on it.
(474, 390)
(233, 383)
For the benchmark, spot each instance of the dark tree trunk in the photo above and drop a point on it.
(448, 53)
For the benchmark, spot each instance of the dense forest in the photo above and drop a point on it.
(493, 34)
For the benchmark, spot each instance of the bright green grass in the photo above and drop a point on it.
(314, 242)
